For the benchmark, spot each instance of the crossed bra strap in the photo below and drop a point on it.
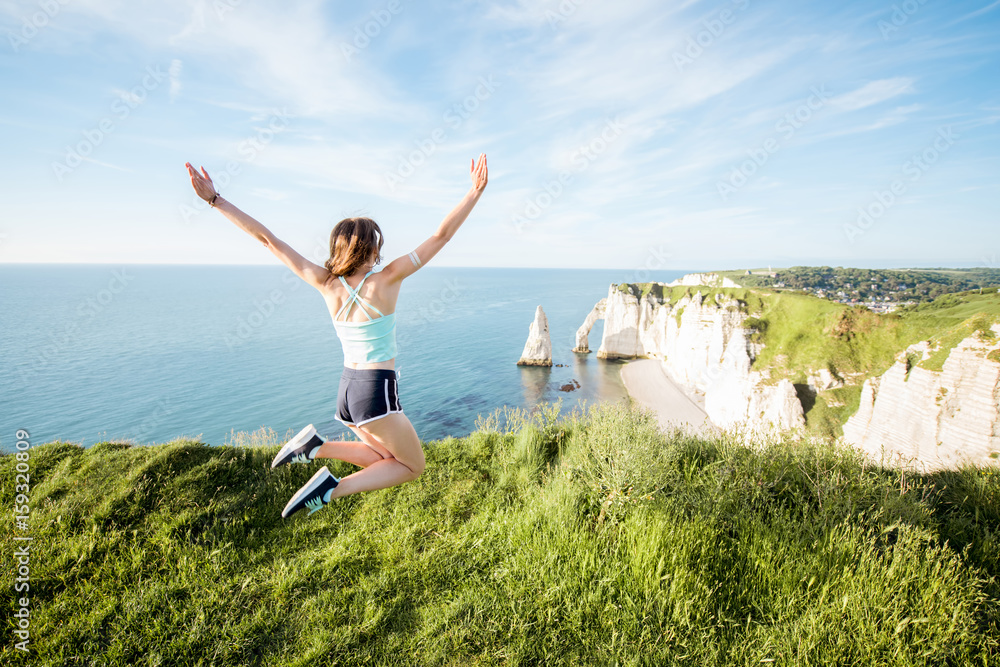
(354, 297)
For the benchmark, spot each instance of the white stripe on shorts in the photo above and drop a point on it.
(388, 407)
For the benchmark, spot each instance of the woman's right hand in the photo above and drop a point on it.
(202, 183)
(478, 173)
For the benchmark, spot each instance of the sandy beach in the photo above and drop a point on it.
(648, 383)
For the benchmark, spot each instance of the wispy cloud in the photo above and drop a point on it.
(873, 92)
(978, 12)
(738, 105)
(107, 165)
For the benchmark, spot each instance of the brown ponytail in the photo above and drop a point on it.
(353, 243)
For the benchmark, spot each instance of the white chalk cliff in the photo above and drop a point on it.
(933, 419)
(538, 348)
(705, 348)
(706, 279)
(930, 419)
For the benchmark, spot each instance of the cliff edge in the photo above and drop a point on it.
(705, 346)
(934, 419)
(761, 361)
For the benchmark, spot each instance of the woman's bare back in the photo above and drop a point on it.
(377, 291)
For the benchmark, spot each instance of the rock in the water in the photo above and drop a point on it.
(582, 345)
(538, 348)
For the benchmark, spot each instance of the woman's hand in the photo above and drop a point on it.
(202, 183)
(478, 173)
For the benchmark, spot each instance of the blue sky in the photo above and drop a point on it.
(643, 133)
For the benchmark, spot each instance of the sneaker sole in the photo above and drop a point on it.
(304, 492)
(302, 436)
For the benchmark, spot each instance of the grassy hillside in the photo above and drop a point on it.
(801, 333)
(593, 539)
(899, 285)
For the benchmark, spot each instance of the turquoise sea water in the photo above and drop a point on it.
(151, 353)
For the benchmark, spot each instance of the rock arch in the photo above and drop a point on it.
(597, 313)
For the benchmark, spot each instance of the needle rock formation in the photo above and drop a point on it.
(538, 348)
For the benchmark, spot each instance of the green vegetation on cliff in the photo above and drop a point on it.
(594, 539)
(746, 300)
(803, 332)
(867, 284)
(800, 334)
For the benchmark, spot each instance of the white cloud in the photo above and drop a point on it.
(105, 164)
(873, 93)
(978, 12)
(894, 117)
(270, 194)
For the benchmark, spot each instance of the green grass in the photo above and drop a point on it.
(803, 333)
(587, 540)
(956, 317)
(832, 409)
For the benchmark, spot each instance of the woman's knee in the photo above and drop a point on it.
(396, 434)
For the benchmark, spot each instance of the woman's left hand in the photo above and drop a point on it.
(478, 172)
(202, 183)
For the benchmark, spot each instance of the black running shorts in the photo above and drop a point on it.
(367, 394)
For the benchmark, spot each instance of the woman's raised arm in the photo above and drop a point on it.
(313, 274)
(408, 264)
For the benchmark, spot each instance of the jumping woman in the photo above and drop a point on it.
(362, 303)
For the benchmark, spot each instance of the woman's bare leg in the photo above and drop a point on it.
(362, 454)
(395, 434)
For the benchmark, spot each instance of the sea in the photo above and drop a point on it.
(150, 353)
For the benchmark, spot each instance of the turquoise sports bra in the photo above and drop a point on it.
(365, 342)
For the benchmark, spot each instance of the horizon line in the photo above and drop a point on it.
(760, 267)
